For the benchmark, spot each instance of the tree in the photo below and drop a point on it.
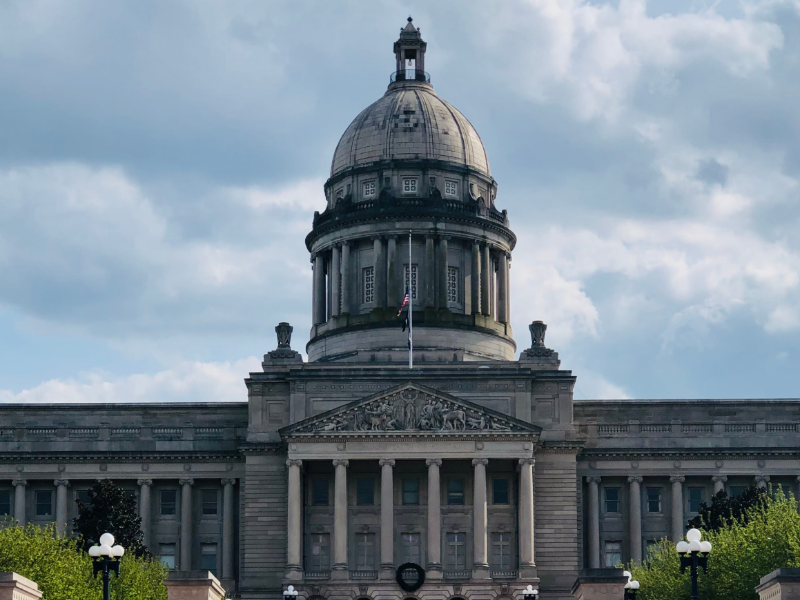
(111, 509)
(723, 508)
(765, 537)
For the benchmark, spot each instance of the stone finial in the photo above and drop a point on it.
(283, 353)
(538, 329)
(284, 331)
(540, 355)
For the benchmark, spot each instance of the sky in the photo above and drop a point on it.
(160, 163)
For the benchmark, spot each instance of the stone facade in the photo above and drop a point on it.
(331, 473)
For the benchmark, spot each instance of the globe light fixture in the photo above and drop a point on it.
(694, 553)
(106, 560)
(529, 593)
(290, 593)
(631, 587)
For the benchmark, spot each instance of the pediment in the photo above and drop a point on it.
(410, 409)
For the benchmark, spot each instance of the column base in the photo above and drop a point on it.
(387, 572)
(528, 572)
(433, 571)
(481, 572)
(340, 572)
(293, 573)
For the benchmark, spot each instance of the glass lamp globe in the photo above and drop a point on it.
(105, 550)
(106, 539)
(705, 547)
(118, 551)
(695, 546)
(693, 535)
(634, 585)
(682, 547)
(94, 551)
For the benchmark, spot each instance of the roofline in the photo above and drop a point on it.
(120, 405)
(629, 401)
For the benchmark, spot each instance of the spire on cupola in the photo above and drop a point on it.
(409, 49)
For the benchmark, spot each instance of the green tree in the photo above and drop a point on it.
(723, 508)
(63, 571)
(111, 509)
(765, 537)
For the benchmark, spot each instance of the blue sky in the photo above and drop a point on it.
(160, 163)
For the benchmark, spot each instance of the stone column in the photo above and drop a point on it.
(677, 507)
(335, 275)
(319, 289)
(61, 506)
(227, 528)
(527, 565)
(762, 481)
(502, 288)
(480, 566)
(475, 280)
(186, 524)
(719, 483)
(380, 272)
(387, 518)
(429, 273)
(635, 515)
(144, 507)
(441, 272)
(346, 281)
(434, 566)
(394, 296)
(594, 522)
(340, 520)
(486, 285)
(294, 522)
(19, 500)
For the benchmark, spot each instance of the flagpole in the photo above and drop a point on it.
(410, 309)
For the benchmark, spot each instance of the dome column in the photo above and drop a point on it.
(335, 278)
(430, 273)
(346, 284)
(380, 273)
(486, 285)
(475, 279)
(393, 296)
(441, 279)
(502, 288)
(319, 289)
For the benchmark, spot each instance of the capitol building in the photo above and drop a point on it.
(477, 465)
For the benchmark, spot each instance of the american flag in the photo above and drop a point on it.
(402, 306)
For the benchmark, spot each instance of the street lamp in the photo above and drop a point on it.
(106, 559)
(694, 553)
(290, 593)
(630, 588)
(529, 593)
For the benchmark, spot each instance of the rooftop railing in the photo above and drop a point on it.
(410, 75)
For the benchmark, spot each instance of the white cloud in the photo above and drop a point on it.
(593, 386)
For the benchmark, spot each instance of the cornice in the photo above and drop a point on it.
(688, 453)
(560, 447)
(412, 436)
(117, 457)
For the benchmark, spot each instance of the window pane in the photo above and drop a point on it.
(82, 496)
(413, 280)
(365, 551)
(455, 491)
(319, 492)
(456, 551)
(501, 551)
(695, 499)
(44, 503)
(654, 500)
(208, 557)
(613, 554)
(5, 502)
(612, 500)
(320, 552)
(452, 284)
(365, 492)
(410, 491)
(169, 499)
(410, 547)
(167, 555)
(209, 502)
(369, 284)
(736, 490)
(500, 491)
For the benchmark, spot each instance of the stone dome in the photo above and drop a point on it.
(410, 122)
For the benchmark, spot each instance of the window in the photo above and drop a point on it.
(387, 182)
(501, 551)
(348, 189)
(433, 182)
(44, 503)
(613, 554)
(166, 552)
(209, 498)
(413, 280)
(169, 502)
(410, 543)
(695, 499)
(410, 491)
(5, 502)
(650, 547)
(365, 492)
(340, 193)
(500, 491)
(450, 188)
(456, 551)
(365, 551)
(320, 552)
(83, 497)
(369, 285)
(612, 500)
(369, 189)
(409, 186)
(736, 490)
(455, 491)
(452, 284)
(654, 500)
(208, 557)
(319, 492)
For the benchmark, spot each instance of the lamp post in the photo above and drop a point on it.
(630, 588)
(694, 554)
(290, 593)
(106, 559)
(529, 593)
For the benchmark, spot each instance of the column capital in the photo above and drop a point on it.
(719, 478)
(60, 482)
(229, 481)
(527, 461)
(438, 463)
(480, 461)
(677, 479)
(24, 482)
(144, 482)
(186, 481)
(341, 462)
(386, 461)
(294, 462)
(593, 479)
(635, 478)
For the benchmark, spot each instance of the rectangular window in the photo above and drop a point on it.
(654, 500)
(410, 491)
(209, 498)
(387, 182)
(413, 280)
(695, 499)
(501, 551)
(736, 490)
(450, 188)
(612, 500)
(208, 557)
(409, 185)
(650, 547)
(320, 552)
(169, 502)
(369, 189)
(455, 491)
(166, 552)
(44, 503)
(433, 182)
(452, 284)
(613, 554)
(369, 285)
(340, 193)
(365, 551)
(365, 492)
(410, 543)
(319, 492)
(456, 551)
(500, 491)
(83, 497)
(5, 503)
